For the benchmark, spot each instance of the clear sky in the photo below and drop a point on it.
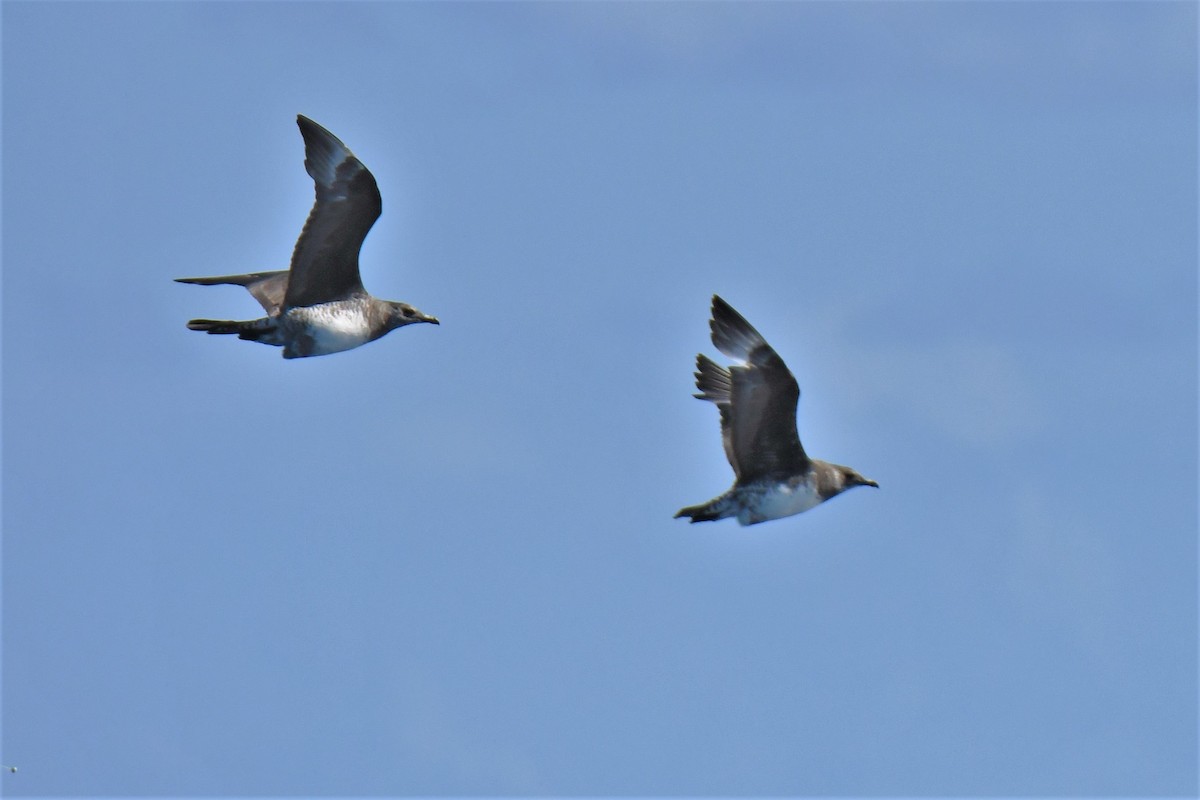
(445, 563)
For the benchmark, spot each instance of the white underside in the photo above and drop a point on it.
(333, 328)
(781, 500)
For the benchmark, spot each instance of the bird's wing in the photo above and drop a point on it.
(716, 385)
(760, 432)
(268, 288)
(325, 261)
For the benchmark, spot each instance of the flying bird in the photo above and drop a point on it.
(319, 305)
(773, 476)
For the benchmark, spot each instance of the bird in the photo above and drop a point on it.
(757, 399)
(319, 306)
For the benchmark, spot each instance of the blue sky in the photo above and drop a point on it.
(445, 563)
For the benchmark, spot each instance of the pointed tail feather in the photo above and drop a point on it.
(213, 326)
(252, 329)
(718, 508)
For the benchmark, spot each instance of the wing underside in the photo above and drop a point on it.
(325, 262)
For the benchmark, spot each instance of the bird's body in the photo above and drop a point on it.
(773, 476)
(760, 501)
(304, 331)
(319, 305)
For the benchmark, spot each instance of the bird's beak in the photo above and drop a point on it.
(869, 482)
(427, 318)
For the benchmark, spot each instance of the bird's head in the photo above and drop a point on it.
(851, 478)
(401, 314)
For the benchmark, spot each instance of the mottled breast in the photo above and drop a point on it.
(328, 328)
(776, 500)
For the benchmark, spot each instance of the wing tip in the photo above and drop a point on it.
(732, 333)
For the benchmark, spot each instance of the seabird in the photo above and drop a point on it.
(773, 476)
(319, 306)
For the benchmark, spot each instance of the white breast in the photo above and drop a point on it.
(334, 327)
(781, 500)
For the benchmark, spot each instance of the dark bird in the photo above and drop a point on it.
(319, 306)
(773, 476)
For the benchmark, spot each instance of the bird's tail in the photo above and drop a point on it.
(254, 330)
(717, 508)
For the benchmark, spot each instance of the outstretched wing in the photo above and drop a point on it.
(325, 261)
(758, 418)
(268, 288)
